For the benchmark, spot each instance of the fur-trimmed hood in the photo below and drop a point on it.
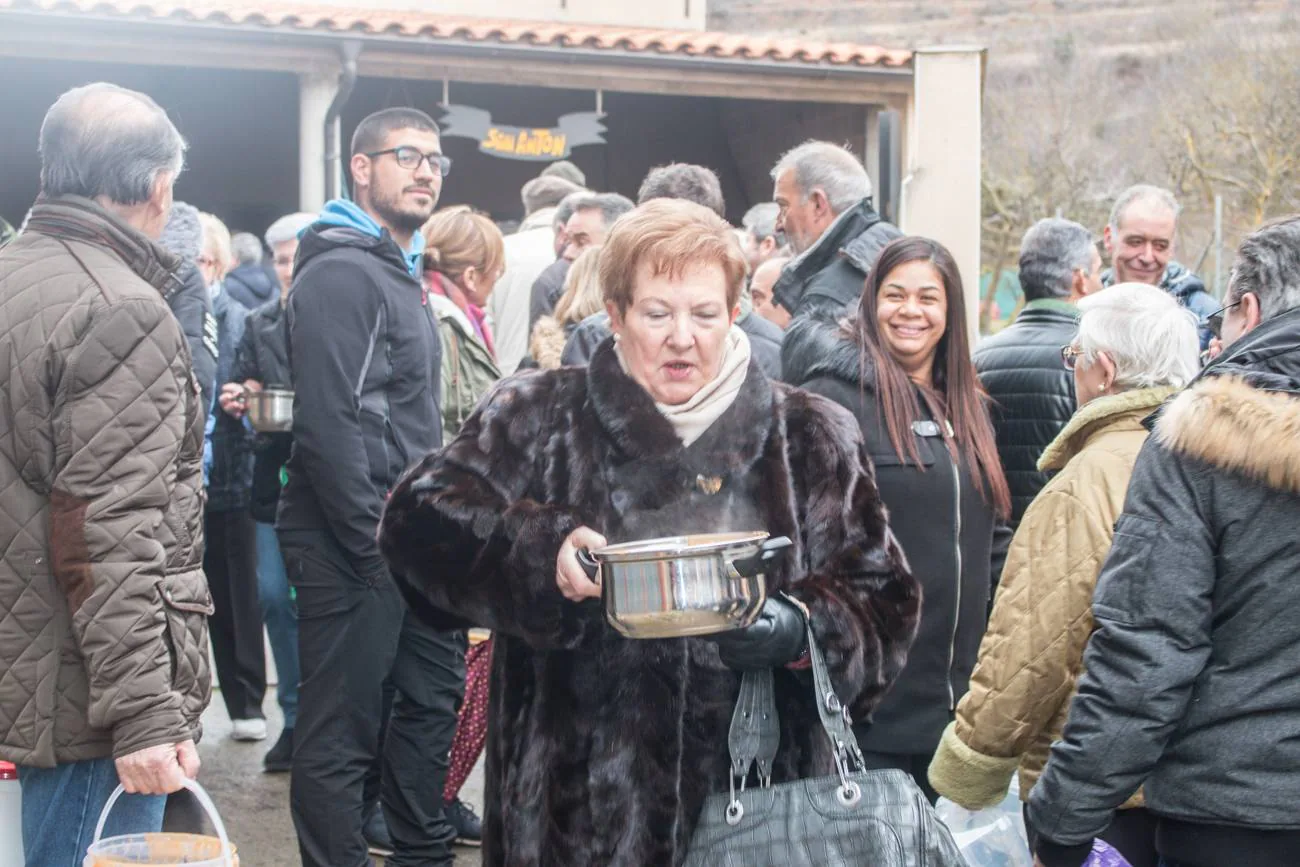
(1226, 422)
(1243, 414)
(547, 342)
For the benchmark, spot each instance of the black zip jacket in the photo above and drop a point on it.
(1033, 394)
(263, 355)
(952, 537)
(366, 361)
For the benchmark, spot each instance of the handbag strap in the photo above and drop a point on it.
(835, 716)
(755, 732)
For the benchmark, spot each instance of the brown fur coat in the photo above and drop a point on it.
(602, 749)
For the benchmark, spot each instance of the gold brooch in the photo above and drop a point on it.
(708, 484)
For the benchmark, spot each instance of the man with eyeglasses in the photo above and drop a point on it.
(365, 361)
(1191, 680)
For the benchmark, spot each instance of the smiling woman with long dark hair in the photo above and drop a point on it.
(902, 366)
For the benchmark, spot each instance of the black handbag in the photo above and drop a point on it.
(856, 817)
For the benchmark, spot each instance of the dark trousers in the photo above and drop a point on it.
(916, 764)
(428, 680)
(1131, 832)
(230, 562)
(351, 638)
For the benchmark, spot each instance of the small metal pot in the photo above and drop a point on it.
(270, 410)
(683, 585)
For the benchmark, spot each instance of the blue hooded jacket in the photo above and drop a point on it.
(341, 212)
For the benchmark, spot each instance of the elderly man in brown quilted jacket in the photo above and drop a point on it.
(103, 602)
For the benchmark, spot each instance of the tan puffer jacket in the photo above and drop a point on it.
(1032, 654)
(103, 602)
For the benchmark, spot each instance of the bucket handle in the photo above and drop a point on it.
(204, 800)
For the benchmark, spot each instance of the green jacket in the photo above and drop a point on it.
(468, 369)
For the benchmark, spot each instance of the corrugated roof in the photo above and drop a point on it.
(419, 24)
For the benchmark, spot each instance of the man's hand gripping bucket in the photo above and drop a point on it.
(163, 849)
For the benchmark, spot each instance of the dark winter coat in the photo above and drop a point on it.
(231, 478)
(263, 352)
(252, 285)
(547, 291)
(1033, 394)
(263, 355)
(828, 276)
(952, 537)
(602, 749)
(188, 297)
(366, 362)
(1191, 684)
(764, 341)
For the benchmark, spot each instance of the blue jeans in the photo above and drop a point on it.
(281, 617)
(61, 807)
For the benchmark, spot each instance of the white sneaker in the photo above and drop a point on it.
(249, 730)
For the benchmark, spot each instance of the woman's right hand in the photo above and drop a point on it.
(569, 575)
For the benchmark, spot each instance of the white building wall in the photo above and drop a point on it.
(941, 192)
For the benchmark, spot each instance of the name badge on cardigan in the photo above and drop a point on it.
(929, 428)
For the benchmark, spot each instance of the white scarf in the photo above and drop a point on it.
(693, 418)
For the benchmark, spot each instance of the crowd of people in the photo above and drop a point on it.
(1065, 551)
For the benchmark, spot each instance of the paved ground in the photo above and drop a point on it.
(254, 805)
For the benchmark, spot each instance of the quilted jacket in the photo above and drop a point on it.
(103, 602)
(1032, 653)
(1033, 394)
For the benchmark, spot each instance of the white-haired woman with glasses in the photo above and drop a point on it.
(1135, 347)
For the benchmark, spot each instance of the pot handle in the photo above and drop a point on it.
(589, 564)
(748, 567)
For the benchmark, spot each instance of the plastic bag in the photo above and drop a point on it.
(994, 837)
(1104, 855)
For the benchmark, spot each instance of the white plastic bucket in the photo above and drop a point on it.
(11, 817)
(163, 849)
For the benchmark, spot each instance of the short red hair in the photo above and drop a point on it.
(672, 235)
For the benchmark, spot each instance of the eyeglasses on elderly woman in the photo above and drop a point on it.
(1070, 356)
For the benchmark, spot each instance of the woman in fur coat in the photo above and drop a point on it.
(602, 749)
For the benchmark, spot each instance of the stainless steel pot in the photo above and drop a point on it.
(270, 410)
(683, 585)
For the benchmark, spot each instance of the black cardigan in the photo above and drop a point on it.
(951, 534)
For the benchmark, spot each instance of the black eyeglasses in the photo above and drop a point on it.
(1070, 356)
(1214, 322)
(410, 158)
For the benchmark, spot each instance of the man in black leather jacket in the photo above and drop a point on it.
(826, 213)
(1021, 366)
(824, 195)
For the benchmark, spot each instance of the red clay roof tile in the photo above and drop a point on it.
(453, 28)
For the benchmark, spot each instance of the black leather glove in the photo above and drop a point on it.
(779, 636)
